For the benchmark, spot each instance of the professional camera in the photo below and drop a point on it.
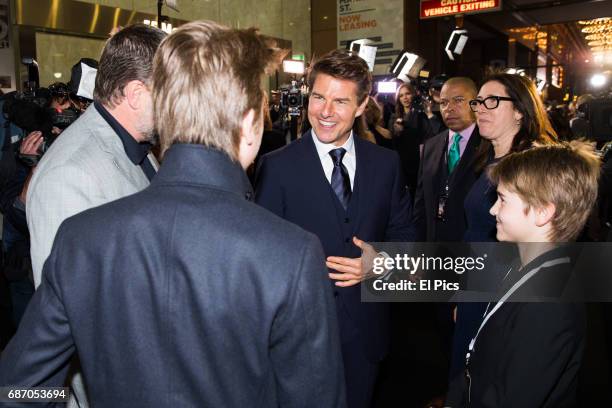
(427, 91)
(421, 96)
(292, 99)
(66, 114)
(39, 109)
(29, 110)
(32, 110)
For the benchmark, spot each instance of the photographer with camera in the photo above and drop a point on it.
(31, 112)
(17, 266)
(431, 104)
(410, 128)
(8, 133)
(44, 113)
(292, 102)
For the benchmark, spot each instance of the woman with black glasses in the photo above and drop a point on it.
(511, 117)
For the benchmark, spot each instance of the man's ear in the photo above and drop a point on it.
(544, 214)
(362, 107)
(133, 91)
(249, 128)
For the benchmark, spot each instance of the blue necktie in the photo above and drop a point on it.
(340, 181)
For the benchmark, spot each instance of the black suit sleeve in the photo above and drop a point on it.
(400, 227)
(541, 359)
(268, 191)
(305, 345)
(424, 127)
(435, 123)
(418, 212)
(39, 354)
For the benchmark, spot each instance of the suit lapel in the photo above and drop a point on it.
(465, 163)
(435, 164)
(363, 179)
(320, 187)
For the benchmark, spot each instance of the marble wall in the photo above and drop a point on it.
(286, 19)
(57, 54)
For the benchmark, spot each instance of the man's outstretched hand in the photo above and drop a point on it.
(351, 271)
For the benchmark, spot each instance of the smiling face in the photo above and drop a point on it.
(454, 106)
(333, 107)
(515, 222)
(500, 124)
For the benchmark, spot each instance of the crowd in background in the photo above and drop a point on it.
(447, 136)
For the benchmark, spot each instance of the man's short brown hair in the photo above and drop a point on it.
(206, 77)
(563, 174)
(127, 56)
(342, 64)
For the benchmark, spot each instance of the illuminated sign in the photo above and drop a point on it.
(441, 8)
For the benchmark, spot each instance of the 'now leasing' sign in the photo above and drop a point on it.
(441, 8)
(379, 21)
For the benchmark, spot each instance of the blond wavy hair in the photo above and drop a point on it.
(206, 78)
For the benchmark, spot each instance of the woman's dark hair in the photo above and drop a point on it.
(535, 125)
(399, 108)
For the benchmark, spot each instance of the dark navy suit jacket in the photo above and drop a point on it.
(291, 183)
(433, 174)
(184, 295)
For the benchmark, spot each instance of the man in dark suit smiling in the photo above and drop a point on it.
(346, 191)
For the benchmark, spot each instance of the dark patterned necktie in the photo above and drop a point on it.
(340, 181)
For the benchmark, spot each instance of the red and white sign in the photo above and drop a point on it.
(441, 8)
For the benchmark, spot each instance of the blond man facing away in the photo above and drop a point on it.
(187, 294)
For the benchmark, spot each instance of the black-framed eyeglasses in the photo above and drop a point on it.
(490, 102)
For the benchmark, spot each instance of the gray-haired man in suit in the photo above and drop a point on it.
(104, 155)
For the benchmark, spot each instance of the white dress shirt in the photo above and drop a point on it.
(349, 160)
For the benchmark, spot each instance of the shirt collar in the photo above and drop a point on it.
(194, 164)
(323, 149)
(136, 152)
(465, 133)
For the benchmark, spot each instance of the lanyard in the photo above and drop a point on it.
(525, 278)
(499, 304)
